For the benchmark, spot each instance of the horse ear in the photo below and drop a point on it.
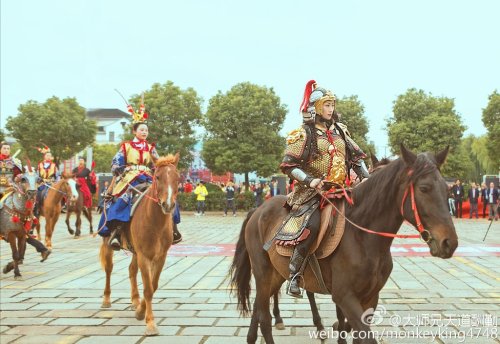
(373, 158)
(408, 156)
(176, 159)
(441, 156)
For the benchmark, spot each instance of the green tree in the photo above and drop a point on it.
(103, 155)
(60, 124)
(242, 131)
(427, 123)
(173, 115)
(353, 115)
(2, 135)
(491, 120)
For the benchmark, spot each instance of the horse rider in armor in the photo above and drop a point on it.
(318, 157)
(48, 173)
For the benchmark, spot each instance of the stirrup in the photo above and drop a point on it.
(295, 278)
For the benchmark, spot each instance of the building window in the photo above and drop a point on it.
(111, 136)
(100, 129)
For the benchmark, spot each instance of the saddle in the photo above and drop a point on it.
(329, 236)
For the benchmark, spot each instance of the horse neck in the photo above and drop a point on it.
(153, 209)
(379, 210)
(58, 194)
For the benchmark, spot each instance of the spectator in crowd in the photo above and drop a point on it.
(258, 193)
(458, 195)
(266, 191)
(473, 199)
(180, 187)
(484, 199)
(230, 191)
(201, 194)
(188, 187)
(102, 194)
(451, 202)
(492, 198)
(274, 188)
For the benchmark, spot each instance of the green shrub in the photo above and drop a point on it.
(216, 200)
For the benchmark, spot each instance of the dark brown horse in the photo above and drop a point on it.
(77, 207)
(376, 164)
(16, 210)
(356, 272)
(51, 208)
(151, 233)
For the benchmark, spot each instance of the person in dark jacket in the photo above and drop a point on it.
(458, 194)
(473, 200)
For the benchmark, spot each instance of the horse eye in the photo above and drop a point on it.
(424, 189)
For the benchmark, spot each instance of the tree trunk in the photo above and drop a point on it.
(246, 181)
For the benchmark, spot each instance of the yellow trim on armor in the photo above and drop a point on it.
(5, 195)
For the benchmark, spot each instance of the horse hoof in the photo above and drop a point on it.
(106, 305)
(18, 278)
(71, 231)
(335, 326)
(280, 326)
(151, 331)
(91, 231)
(76, 237)
(139, 315)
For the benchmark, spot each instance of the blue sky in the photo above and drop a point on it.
(374, 49)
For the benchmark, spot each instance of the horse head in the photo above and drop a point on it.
(70, 187)
(27, 181)
(424, 201)
(166, 181)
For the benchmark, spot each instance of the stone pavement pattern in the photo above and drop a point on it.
(59, 300)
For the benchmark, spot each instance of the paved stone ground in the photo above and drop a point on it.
(59, 300)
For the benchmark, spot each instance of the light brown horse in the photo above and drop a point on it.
(410, 188)
(77, 207)
(51, 207)
(151, 233)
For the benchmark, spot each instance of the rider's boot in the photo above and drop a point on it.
(297, 265)
(115, 238)
(177, 235)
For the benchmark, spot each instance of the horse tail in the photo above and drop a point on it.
(102, 254)
(241, 271)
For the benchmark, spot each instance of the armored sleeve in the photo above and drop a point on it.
(355, 154)
(296, 156)
(118, 164)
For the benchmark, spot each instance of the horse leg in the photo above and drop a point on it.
(254, 325)
(132, 274)
(147, 268)
(353, 311)
(49, 227)
(15, 255)
(340, 326)
(88, 214)
(314, 311)
(70, 230)
(37, 227)
(264, 290)
(78, 224)
(278, 320)
(106, 257)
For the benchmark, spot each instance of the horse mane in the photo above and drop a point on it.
(165, 160)
(371, 196)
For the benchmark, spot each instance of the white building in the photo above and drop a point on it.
(111, 124)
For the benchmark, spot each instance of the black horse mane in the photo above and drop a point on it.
(386, 181)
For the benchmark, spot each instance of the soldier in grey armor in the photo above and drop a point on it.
(318, 157)
(10, 168)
